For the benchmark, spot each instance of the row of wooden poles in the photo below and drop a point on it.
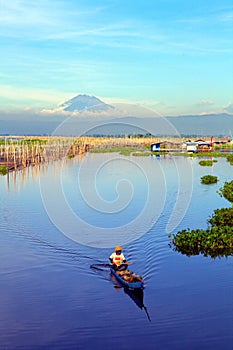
(18, 154)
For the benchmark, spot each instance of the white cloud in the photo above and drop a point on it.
(228, 108)
(122, 109)
(205, 103)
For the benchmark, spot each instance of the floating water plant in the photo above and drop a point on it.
(214, 241)
(221, 217)
(217, 239)
(126, 151)
(227, 191)
(70, 156)
(209, 179)
(230, 159)
(141, 154)
(3, 170)
(207, 162)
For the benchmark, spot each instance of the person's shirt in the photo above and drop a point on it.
(117, 259)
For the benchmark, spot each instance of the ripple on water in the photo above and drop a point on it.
(50, 297)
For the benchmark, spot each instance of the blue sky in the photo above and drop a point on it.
(173, 56)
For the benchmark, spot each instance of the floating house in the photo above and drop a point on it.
(165, 146)
(198, 146)
(155, 147)
(191, 146)
(204, 146)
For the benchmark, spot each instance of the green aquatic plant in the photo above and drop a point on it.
(230, 158)
(216, 240)
(3, 170)
(221, 217)
(227, 191)
(209, 179)
(125, 151)
(71, 156)
(141, 154)
(207, 162)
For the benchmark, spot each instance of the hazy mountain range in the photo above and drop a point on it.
(85, 114)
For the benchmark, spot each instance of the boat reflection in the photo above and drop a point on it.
(137, 295)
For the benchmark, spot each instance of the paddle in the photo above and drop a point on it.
(108, 264)
(97, 266)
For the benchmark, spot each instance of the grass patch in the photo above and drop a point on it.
(200, 154)
(3, 170)
(34, 141)
(141, 154)
(161, 153)
(126, 151)
(209, 179)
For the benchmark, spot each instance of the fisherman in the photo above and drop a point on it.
(118, 260)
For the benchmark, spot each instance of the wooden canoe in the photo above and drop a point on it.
(130, 285)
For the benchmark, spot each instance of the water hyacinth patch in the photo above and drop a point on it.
(222, 217)
(3, 170)
(71, 156)
(209, 179)
(216, 240)
(227, 191)
(207, 162)
(230, 159)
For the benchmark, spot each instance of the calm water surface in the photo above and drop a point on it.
(50, 298)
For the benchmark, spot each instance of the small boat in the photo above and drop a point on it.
(128, 279)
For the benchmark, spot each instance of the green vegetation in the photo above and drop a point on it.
(3, 170)
(22, 141)
(221, 217)
(162, 153)
(207, 162)
(216, 240)
(230, 158)
(209, 179)
(34, 141)
(227, 191)
(71, 156)
(7, 142)
(141, 154)
(201, 154)
(126, 151)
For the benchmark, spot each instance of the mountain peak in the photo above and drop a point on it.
(84, 102)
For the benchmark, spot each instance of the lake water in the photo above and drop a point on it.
(59, 219)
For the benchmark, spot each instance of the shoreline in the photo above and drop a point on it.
(18, 152)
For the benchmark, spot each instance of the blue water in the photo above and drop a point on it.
(50, 298)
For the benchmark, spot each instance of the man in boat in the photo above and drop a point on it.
(118, 260)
